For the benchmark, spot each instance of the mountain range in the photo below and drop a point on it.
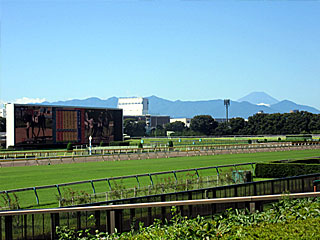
(244, 107)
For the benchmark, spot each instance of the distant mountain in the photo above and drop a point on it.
(215, 108)
(286, 106)
(89, 102)
(259, 98)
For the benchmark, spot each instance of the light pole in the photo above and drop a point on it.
(90, 146)
(227, 104)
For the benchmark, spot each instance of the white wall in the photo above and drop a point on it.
(186, 121)
(134, 106)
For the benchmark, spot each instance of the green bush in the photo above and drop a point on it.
(140, 145)
(279, 170)
(119, 143)
(170, 144)
(286, 219)
(69, 146)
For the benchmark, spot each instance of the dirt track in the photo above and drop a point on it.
(146, 155)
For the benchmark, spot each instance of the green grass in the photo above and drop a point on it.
(30, 176)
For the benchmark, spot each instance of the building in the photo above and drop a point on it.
(294, 111)
(186, 121)
(30, 125)
(220, 120)
(3, 112)
(151, 121)
(135, 106)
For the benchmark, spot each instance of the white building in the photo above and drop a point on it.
(134, 106)
(2, 112)
(186, 121)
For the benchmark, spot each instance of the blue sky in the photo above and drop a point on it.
(187, 50)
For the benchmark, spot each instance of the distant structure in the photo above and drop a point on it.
(137, 108)
(2, 112)
(220, 120)
(186, 121)
(134, 106)
(227, 104)
(151, 121)
(294, 111)
(33, 126)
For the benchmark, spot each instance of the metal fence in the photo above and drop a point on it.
(150, 178)
(123, 214)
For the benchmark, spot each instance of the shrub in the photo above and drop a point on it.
(69, 146)
(71, 197)
(170, 143)
(119, 143)
(249, 141)
(140, 145)
(286, 219)
(279, 170)
(10, 202)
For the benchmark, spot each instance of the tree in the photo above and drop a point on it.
(236, 125)
(204, 124)
(134, 128)
(158, 131)
(177, 126)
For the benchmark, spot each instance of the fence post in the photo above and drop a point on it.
(78, 220)
(114, 221)
(252, 206)
(94, 190)
(213, 206)
(190, 206)
(132, 215)
(25, 226)
(151, 179)
(163, 209)
(35, 193)
(8, 227)
(97, 220)
(254, 189)
(54, 224)
(149, 218)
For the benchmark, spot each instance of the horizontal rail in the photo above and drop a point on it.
(162, 204)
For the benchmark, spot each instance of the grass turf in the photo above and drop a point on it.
(30, 176)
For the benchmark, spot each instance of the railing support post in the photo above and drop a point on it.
(54, 224)
(8, 227)
(97, 220)
(114, 221)
(252, 206)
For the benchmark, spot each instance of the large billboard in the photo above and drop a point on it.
(38, 124)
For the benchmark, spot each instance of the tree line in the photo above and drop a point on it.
(258, 124)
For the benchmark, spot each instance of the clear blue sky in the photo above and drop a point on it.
(187, 50)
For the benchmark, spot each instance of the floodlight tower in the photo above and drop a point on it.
(227, 104)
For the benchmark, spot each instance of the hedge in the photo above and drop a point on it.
(279, 170)
(119, 143)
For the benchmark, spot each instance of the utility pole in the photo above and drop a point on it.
(227, 104)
